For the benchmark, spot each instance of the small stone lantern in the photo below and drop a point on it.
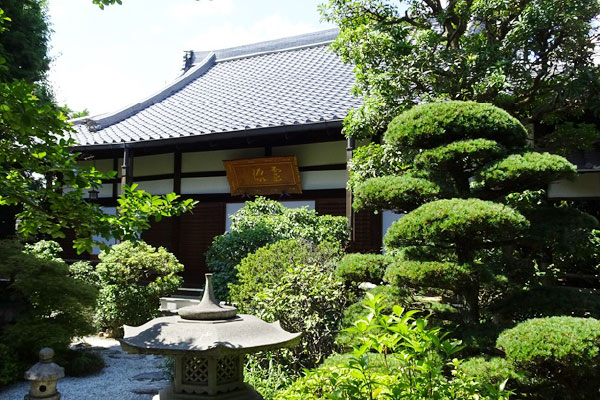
(209, 342)
(43, 377)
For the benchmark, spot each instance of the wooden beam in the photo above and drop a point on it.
(349, 214)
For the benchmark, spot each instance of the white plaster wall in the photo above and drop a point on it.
(213, 160)
(96, 249)
(162, 186)
(153, 165)
(315, 153)
(585, 185)
(387, 219)
(102, 165)
(315, 180)
(105, 190)
(217, 184)
(232, 208)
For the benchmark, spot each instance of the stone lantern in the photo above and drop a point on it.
(43, 377)
(209, 342)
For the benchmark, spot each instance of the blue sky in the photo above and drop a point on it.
(105, 60)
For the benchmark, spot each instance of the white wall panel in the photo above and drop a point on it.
(315, 153)
(585, 185)
(105, 190)
(162, 186)
(315, 180)
(103, 165)
(153, 165)
(217, 184)
(387, 219)
(213, 160)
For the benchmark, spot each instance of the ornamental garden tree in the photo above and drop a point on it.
(472, 190)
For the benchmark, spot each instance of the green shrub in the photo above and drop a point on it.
(307, 299)
(460, 155)
(261, 222)
(561, 353)
(269, 263)
(266, 376)
(80, 362)
(433, 124)
(133, 277)
(84, 271)
(357, 268)
(56, 307)
(371, 161)
(409, 363)
(10, 367)
(400, 193)
(44, 249)
(467, 221)
(547, 302)
(445, 275)
(493, 371)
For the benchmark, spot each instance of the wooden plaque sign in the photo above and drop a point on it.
(268, 175)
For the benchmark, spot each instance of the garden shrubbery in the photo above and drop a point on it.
(261, 222)
(357, 268)
(132, 277)
(54, 307)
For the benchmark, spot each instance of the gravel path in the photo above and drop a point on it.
(125, 377)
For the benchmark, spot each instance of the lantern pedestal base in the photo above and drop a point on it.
(245, 393)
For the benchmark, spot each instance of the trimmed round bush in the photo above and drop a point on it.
(10, 367)
(489, 372)
(445, 275)
(471, 222)
(525, 171)
(560, 352)
(357, 268)
(269, 263)
(430, 125)
(462, 155)
(400, 193)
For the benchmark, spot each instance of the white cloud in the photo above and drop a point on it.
(268, 28)
(200, 8)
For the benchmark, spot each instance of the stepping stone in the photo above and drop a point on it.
(145, 390)
(149, 376)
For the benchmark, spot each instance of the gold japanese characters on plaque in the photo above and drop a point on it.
(267, 175)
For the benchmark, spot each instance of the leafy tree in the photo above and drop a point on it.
(533, 58)
(465, 232)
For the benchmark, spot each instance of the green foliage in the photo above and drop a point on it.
(9, 365)
(470, 222)
(44, 249)
(569, 137)
(432, 124)
(462, 155)
(133, 276)
(268, 264)
(400, 193)
(79, 362)
(261, 222)
(531, 171)
(24, 41)
(445, 275)
(86, 272)
(560, 352)
(308, 299)
(414, 358)
(547, 302)
(493, 371)
(371, 161)
(534, 60)
(357, 268)
(268, 378)
(56, 307)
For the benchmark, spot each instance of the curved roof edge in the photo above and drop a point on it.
(306, 39)
(105, 120)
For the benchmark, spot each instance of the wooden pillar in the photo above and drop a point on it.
(115, 186)
(126, 168)
(176, 225)
(349, 213)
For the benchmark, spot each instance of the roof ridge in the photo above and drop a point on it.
(102, 121)
(270, 46)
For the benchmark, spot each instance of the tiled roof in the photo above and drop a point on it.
(288, 82)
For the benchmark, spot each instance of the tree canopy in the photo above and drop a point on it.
(533, 58)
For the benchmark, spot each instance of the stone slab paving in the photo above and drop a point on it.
(125, 377)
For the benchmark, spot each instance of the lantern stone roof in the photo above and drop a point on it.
(292, 83)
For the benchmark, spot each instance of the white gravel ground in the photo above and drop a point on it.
(125, 377)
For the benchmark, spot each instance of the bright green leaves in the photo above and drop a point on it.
(473, 223)
(460, 156)
(518, 172)
(401, 193)
(433, 124)
(102, 3)
(446, 275)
